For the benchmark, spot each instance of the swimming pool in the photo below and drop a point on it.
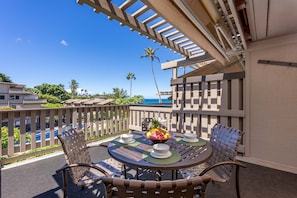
(47, 132)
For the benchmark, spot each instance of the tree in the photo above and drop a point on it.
(150, 53)
(73, 86)
(4, 78)
(53, 93)
(119, 93)
(131, 77)
(133, 100)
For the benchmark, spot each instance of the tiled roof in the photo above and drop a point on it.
(95, 101)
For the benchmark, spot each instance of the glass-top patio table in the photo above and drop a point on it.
(137, 153)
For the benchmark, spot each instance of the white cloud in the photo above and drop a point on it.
(64, 43)
(19, 39)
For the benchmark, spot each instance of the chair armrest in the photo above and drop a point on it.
(236, 163)
(65, 167)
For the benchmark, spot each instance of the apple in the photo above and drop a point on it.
(157, 135)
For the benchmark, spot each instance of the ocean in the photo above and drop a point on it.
(156, 101)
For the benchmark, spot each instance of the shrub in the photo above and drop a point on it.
(16, 135)
(6, 108)
(52, 105)
(49, 98)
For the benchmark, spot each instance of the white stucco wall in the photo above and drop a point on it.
(271, 103)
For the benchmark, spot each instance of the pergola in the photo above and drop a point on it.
(227, 36)
(203, 30)
(190, 32)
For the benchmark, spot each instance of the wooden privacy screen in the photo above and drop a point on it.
(201, 101)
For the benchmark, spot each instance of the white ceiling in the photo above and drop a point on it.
(271, 18)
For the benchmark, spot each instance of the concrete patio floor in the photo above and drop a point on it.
(39, 179)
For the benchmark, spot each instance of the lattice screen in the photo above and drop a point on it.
(200, 102)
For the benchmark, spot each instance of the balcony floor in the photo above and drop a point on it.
(38, 179)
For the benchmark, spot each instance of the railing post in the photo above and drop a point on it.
(33, 130)
(74, 118)
(1, 118)
(52, 126)
(22, 131)
(10, 145)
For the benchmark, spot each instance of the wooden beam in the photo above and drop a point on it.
(168, 10)
(185, 62)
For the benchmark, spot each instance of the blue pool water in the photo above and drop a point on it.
(155, 101)
(47, 133)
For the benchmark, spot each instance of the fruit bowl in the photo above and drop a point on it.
(158, 135)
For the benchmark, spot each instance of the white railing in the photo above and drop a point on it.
(139, 112)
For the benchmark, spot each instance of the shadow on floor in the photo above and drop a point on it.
(39, 180)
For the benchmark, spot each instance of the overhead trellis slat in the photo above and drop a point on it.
(140, 11)
(127, 4)
(149, 19)
(157, 30)
(170, 27)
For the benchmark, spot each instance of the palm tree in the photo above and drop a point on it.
(149, 52)
(119, 93)
(4, 78)
(73, 86)
(131, 77)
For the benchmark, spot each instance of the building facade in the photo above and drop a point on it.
(15, 96)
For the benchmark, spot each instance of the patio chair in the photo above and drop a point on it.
(78, 161)
(219, 167)
(146, 123)
(120, 188)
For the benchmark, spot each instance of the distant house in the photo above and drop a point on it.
(15, 96)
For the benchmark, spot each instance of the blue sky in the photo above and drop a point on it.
(55, 41)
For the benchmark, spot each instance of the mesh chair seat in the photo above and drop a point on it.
(196, 170)
(194, 187)
(78, 161)
(112, 168)
(89, 177)
(224, 141)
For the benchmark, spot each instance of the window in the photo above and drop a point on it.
(14, 97)
(2, 97)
